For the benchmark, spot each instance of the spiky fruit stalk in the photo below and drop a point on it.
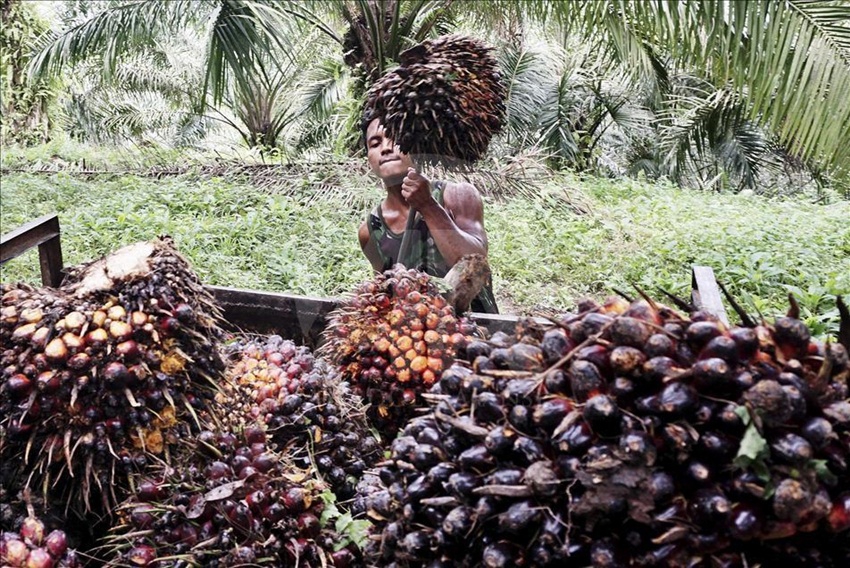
(223, 508)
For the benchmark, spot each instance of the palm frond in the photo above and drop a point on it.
(713, 127)
(554, 122)
(134, 116)
(525, 74)
(434, 18)
(324, 87)
(235, 50)
(189, 130)
(789, 58)
(111, 33)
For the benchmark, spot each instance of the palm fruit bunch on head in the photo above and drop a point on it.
(307, 411)
(233, 502)
(391, 339)
(443, 103)
(626, 435)
(32, 545)
(104, 373)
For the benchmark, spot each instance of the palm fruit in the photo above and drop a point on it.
(103, 374)
(233, 502)
(33, 546)
(358, 50)
(308, 412)
(596, 443)
(444, 103)
(391, 339)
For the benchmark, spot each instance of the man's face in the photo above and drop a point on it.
(385, 158)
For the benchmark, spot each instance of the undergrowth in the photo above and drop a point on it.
(546, 253)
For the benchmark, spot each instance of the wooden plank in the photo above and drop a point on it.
(304, 318)
(43, 233)
(299, 318)
(50, 259)
(706, 292)
(18, 241)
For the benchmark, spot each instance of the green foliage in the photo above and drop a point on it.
(545, 253)
(771, 75)
(790, 59)
(25, 105)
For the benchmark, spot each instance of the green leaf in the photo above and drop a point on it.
(744, 414)
(823, 471)
(753, 445)
(354, 531)
(330, 511)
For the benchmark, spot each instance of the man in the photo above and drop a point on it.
(450, 217)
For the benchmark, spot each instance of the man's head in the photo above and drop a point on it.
(385, 158)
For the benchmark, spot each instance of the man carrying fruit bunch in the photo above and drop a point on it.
(449, 217)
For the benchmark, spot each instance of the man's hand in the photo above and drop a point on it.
(416, 190)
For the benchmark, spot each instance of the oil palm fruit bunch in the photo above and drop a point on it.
(391, 339)
(103, 374)
(444, 102)
(33, 546)
(308, 412)
(232, 502)
(626, 435)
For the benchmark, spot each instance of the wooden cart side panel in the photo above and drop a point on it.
(304, 318)
(300, 318)
(45, 234)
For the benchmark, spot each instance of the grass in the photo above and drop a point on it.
(545, 254)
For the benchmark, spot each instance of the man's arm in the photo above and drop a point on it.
(369, 248)
(458, 227)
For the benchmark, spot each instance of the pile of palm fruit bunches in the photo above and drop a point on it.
(625, 435)
(444, 102)
(134, 431)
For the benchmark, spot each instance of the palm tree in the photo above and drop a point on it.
(242, 37)
(785, 62)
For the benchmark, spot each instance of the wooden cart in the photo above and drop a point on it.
(300, 318)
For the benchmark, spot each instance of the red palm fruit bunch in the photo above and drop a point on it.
(103, 373)
(33, 546)
(444, 103)
(308, 412)
(392, 338)
(233, 502)
(626, 435)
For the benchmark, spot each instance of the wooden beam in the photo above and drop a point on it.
(45, 234)
(706, 293)
(304, 318)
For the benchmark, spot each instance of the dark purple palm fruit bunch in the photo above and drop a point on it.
(33, 545)
(444, 102)
(308, 412)
(391, 338)
(102, 375)
(232, 502)
(625, 435)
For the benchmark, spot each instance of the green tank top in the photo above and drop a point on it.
(423, 253)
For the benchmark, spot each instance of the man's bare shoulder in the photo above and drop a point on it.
(461, 193)
(363, 234)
